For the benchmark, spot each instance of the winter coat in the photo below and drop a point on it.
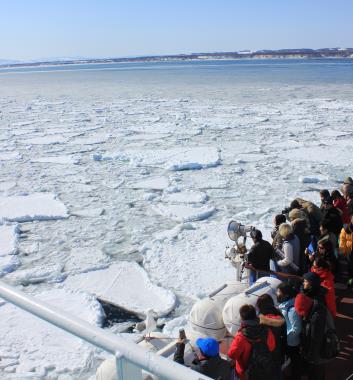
(260, 254)
(314, 215)
(350, 206)
(301, 230)
(293, 322)
(316, 293)
(346, 242)
(275, 321)
(215, 367)
(277, 240)
(327, 280)
(333, 217)
(240, 349)
(291, 251)
(341, 204)
(313, 331)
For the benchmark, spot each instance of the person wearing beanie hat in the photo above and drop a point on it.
(312, 287)
(314, 316)
(303, 304)
(209, 362)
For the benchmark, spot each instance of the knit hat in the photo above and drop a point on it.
(285, 229)
(303, 304)
(313, 278)
(208, 346)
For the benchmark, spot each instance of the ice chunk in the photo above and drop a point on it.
(190, 261)
(8, 156)
(85, 259)
(127, 285)
(7, 185)
(185, 197)
(88, 212)
(184, 213)
(60, 160)
(8, 239)
(8, 264)
(39, 346)
(45, 140)
(37, 206)
(313, 179)
(49, 273)
(156, 183)
(183, 158)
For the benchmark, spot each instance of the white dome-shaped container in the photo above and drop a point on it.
(231, 317)
(205, 319)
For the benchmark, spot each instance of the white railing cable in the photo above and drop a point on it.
(116, 345)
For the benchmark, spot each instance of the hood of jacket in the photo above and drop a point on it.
(254, 331)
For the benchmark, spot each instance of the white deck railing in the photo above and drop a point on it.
(130, 358)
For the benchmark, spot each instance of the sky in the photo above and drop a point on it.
(35, 29)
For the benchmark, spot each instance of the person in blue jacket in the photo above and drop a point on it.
(286, 297)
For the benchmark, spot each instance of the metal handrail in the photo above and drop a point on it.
(125, 352)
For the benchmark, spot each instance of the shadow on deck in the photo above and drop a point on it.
(342, 367)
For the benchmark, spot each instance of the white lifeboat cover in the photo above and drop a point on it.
(206, 319)
(231, 317)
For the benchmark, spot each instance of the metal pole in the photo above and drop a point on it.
(107, 341)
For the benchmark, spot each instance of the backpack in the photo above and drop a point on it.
(260, 361)
(330, 342)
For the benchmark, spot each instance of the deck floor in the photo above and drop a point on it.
(342, 367)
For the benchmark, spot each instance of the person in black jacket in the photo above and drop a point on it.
(270, 316)
(209, 362)
(259, 255)
(314, 321)
(333, 217)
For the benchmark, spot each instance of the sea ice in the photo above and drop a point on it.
(60, 160)
(8, 239)
(44, 350)
(184, 213)
(85, 259)
(45, 140)
(37, 206)
(190, 260)
(8, 156)
(155, 183)
(185, 197)
(174, 159)
(127, 285)
(49, 273)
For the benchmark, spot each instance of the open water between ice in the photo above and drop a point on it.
(146, 163)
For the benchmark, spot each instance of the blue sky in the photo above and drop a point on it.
(32, 29)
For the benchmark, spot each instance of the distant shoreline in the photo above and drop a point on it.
(327, 53)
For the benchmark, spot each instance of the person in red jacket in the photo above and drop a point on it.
(340, 203)
(322, 269)
(249, 332)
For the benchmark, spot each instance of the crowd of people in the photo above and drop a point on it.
(294, 336)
